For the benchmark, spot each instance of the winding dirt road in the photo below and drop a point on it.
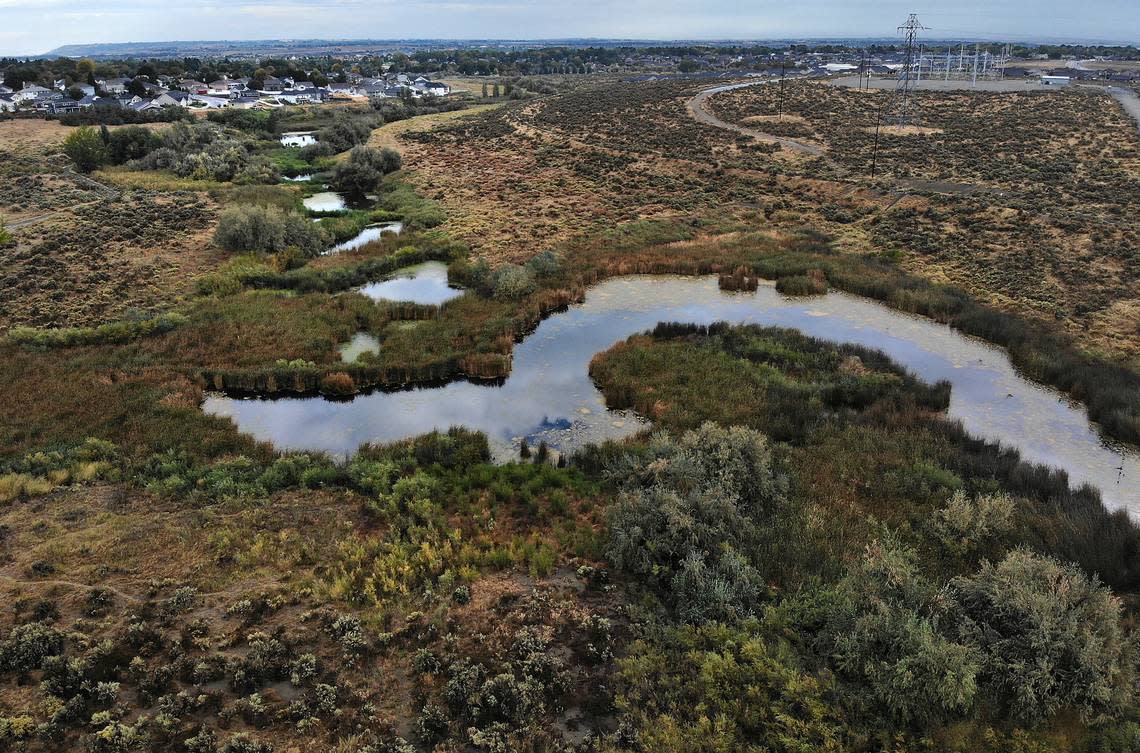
(1129, 100)
(697, 108)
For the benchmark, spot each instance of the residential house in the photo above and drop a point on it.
(436, 88)
(193, 86)
(67, 104)
(173, 98)
(342, 91)
(32, 93)
(114, 85)
(5, 89)
(7, 103)
(301, 96)
(272, 84)
(225, 87)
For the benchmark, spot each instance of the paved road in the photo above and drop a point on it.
(697, 108)
(1127, 98)
(937, 84)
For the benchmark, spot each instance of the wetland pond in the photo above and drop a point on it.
(298, 139)
(366, 236)
(549, 394)
(326, 201)
(420, 283)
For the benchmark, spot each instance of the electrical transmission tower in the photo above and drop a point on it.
(902, 109)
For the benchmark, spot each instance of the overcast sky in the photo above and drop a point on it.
(36, 26)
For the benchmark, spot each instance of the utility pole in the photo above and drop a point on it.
(783, 66)
(902, 106)
(875, 150)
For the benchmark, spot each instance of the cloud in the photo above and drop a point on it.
(49, 23)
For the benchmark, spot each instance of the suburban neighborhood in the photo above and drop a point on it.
(143, 93)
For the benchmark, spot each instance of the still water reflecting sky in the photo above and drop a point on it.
(422, 283)
(549, 387)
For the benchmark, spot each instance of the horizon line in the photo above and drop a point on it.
(678, 41)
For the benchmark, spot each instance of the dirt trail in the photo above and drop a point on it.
(107, 193)
(1129, 100)
(68, 584)
(697, 108)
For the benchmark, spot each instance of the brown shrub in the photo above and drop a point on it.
(337, 384)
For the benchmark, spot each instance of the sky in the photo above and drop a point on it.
(36, 26)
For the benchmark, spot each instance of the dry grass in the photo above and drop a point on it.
(542, 174)
(390, 134)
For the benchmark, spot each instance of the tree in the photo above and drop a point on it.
(85, 148)
(131, 142)
(85, 69)
(362, 171)
(137, 87)
(688, 65)
(75, 93)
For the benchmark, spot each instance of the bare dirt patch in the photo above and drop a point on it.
(907, 130)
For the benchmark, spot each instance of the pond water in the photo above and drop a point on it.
(361, 343)
(367, 235)
(421, 283)
(326, 201)
(298, 139)
(549, 394)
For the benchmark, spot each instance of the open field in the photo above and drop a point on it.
(1049, 240)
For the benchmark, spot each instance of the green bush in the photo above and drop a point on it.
(720, 688)
(131, 143)
(267, 229)
(112, 332)
(1049, 637)
(966, 523)
(513, 282)
(882, 632)
(85, 148)
(27, 646)
(689, 523)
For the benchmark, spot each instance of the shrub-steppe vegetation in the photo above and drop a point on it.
(803, 554)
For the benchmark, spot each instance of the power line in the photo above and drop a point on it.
(902, 107)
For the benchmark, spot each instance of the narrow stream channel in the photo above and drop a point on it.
(549, 394)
